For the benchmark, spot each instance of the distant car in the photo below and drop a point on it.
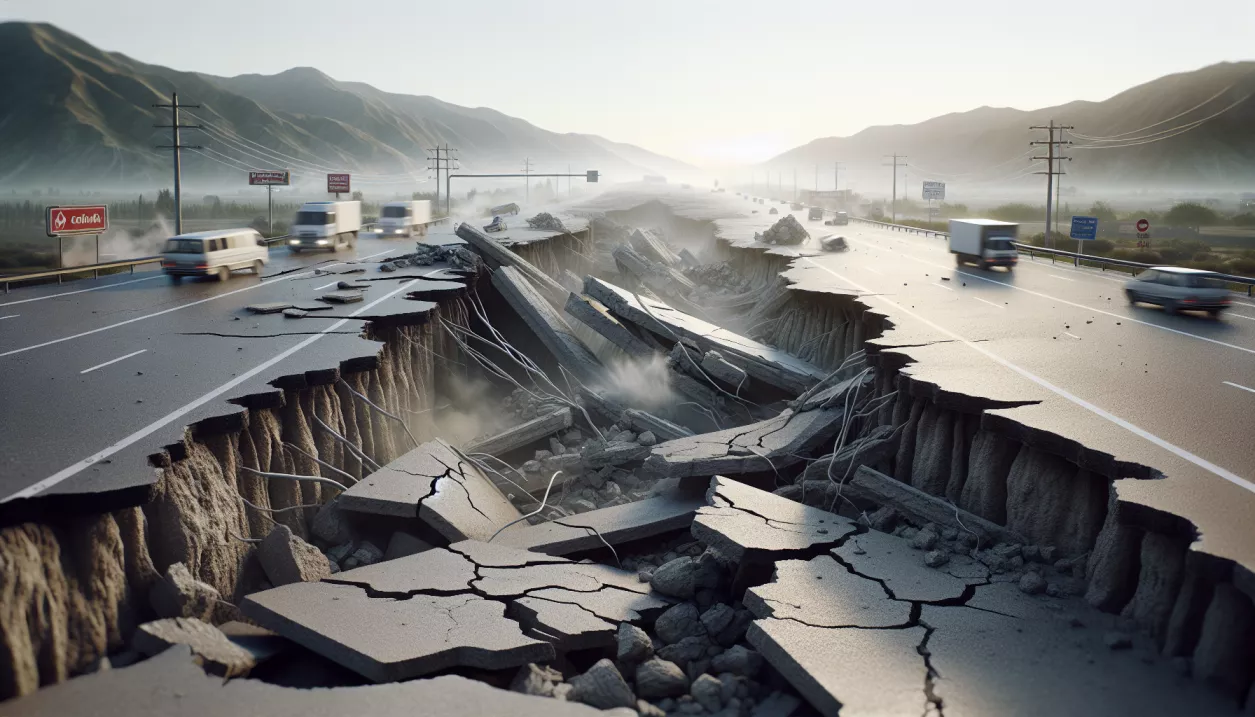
(773, 211)
(1179, 289)
(833, 242)
(214, 253)
(497, 225)
(814, 214)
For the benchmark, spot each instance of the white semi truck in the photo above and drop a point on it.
(325, 225)
(404, 218)
(984, 242)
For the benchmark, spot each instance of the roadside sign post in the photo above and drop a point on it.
(1083, 228)
(76, 221)
(934, 190)
(270, 178)
(338, 183)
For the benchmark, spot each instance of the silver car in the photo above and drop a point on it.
(1179, 289)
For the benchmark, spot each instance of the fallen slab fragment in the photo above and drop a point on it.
(764, 446)
(295, 313)
(879, 445)
(172, 684)
(549, 326)
(351, 286)
(523, 434)
(434, 484)
(744, 524)
(643, 422)
(567, 625)
(661, 278)
(497, 555)
(920, 507)
(760, 361)
(714, 365)
(436, 571)
(578, 577)
(848, 672)
(387, 640)
(268, 308)
(216, 651)
(614, 453)
(571, 281)
(499, 257)
(653, 248)
(664, 513)
(610, 603)
(592, 314)
(900, 569)
(307, 306)
(342, 297)
(286, 558)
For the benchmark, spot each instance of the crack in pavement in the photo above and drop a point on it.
(930, 674)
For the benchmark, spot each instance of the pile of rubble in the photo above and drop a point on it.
(457, 257)
(788, 231)
(546, 221)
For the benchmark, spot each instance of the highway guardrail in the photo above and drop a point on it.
(94, 269)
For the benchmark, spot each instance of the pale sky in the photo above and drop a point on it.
(711, 82)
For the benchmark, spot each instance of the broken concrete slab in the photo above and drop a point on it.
(385, 639)
(497, 555)
(342, 297)
(657, 515)
(662, 279)
(653, 248)
(268, 308)
(172, 684)
(879, 445)
(434, 484)
(500, 257)
(760, 361)
(402, 544)
(614, 453)
(568, 626)
(900, 569)
(286, 558)
(577, 577)
(643, 422)
(179, 594)
(592, 314)
(745, 524)
(219, 655)
(435, 571)
(920, 507)
(767, 445)
(295, 313)
(523, 434)
(714, 365)
(610, 603)
(847, 671)
(548, 325)
(822, 592)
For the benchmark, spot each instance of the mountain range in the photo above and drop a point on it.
(72, 113)
(1187, 130)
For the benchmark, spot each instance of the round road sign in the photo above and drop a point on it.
(1143, 226)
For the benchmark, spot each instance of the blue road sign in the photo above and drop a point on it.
(1084, 228)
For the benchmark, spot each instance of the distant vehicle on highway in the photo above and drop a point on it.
(795, 207)
(840, 219)
(1176, 289)
(496, 225)
(511, 208)
(326, 225)
(814, 214)
(214, 253)
(984, 242)
(404, 218)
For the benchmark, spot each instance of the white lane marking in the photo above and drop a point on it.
(106, 363)
(868, 268)
(81, 291)
(943, 286)
(167, 311)
(1076, 305)
(324, 286)
(11, 316)
(1240, 316)
(1238, 385)
(1176, 450)
(1060, 278)
(64, 473)
(996, 306)
(1068, 333)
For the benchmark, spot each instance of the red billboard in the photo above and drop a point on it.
(263, 177)
(338, 183)
(67, 221)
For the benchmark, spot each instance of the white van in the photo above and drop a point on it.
(214, 253)
(326, 225)
(404, 218)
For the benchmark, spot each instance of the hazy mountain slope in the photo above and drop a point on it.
(73, 114)
(988, 144)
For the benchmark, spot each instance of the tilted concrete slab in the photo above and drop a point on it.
(660, 278)
(851, 672)
(435, 571)
(824, 593)
(548, 325)
(759, 360)
(171, 684)
(577, 577)
(653, 248)
(523, 434)
(498, 255)
(901, 569)
(435, 485)
(743, 523)
(669, 511)
(499, 555)
(595, 316)
(386, 639)
(567, 625)
(611, 603)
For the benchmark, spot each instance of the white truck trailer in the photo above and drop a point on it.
(404, 218)
(984, 242)
(326, 225)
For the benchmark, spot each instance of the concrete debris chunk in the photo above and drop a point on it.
(549, 326)
(286, 558)
(643, 422)
(295, 313)
(657, 678)
(268, 308)
(432, 483)
(603, 687)
(788, 231)
(367, 553)
(569, 627)
(351, 286)
(219, 654)
(707, 691)
(499, 256)
(660, 278)
(523, 434)
(385, 639)
(342, 297)
(679, 622)
(179, 594)
(654, 248)
(546, 222)
(329, 525)
(743, 524)
(614, 453)
(533, 679)
(592, 314)
(714, 365)
(823, 593)
(633, 644)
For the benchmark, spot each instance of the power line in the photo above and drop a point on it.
(1135, 131)
(1154, 137)
(1051, 143)
(975, 172)
(174, 128)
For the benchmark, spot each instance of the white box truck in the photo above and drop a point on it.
(325, 225)
(404, 218)
(984, 242)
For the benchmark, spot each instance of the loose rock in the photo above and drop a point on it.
(634, 644)
(1032, 583)
(739, 660)
(288, 559)
(936, 558)
(676, 578)
(657, 678)
(533, 679)
(678, 622)
(707, 691)
(717, 618)
(178, 594)
(602, 687)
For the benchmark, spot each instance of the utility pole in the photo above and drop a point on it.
(174, 126)
(895, 157)
(836, 176)
(527, 178)
(442, 158)
(1051, 171)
